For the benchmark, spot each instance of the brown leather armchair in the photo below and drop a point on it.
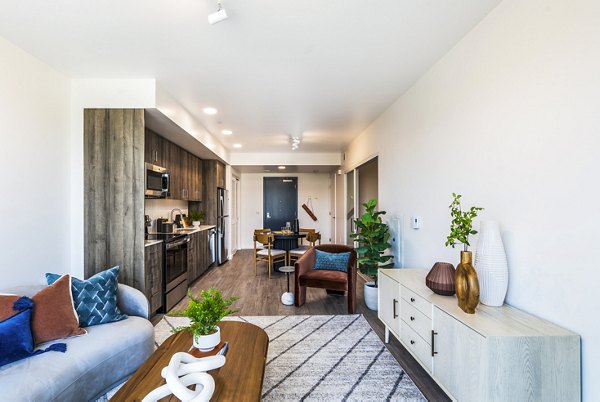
(334, 282)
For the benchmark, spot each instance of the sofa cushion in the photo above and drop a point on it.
(53, 314)
(331, 261)
(334, 280)
(92, 365)
(95, 299)
(16, 339)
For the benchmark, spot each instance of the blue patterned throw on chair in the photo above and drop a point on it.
(95, 299)
(332, 261)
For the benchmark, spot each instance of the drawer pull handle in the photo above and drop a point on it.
(395, 314)
(412, 342)
(433, 334)
(412, 299)
(412, 318)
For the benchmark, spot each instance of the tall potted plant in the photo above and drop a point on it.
(373, 237)
(205, 312)
(465, 279)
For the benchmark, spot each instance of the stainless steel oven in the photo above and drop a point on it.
(176, 271)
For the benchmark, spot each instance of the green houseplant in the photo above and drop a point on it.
(205, 312)
(196, 217)
(373, 237)
(465, 279)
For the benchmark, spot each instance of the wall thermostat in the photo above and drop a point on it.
(416, 222)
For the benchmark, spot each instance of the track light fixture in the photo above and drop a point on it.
(217, 16)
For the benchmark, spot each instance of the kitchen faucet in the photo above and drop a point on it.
(180, 215)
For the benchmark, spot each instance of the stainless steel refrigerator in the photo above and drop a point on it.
(222, 221)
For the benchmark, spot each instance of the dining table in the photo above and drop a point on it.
(287, 241)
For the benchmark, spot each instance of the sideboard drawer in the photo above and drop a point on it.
(417, 301)
(416, 320)
(420, 349)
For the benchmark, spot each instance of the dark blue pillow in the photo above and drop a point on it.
(332, 261)
(16, 339)
(95, 299)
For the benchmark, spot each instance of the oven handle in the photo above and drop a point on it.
(177, 243)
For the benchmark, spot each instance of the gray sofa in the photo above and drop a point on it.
(92, 365)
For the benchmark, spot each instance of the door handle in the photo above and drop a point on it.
(395, 302)
(433, 334)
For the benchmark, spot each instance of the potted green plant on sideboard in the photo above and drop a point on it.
(465, 280)
(372, 235)
(204, 313)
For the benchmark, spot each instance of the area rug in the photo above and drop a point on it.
(323, 358)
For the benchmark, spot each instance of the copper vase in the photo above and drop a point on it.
(440, 278)
(466, 283)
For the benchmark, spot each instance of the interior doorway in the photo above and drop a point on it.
(280, 201)
(362, 184)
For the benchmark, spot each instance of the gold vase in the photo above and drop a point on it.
(466, 283)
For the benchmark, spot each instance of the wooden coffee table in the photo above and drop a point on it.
(240, 379)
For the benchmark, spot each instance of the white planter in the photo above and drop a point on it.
(196, 224)
(491, 265)
(206, 343)
(371, 295)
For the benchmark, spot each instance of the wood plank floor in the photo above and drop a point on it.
(260, 295)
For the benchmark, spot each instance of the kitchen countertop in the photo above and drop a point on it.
(148, 243)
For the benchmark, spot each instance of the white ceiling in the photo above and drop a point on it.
(322, 68)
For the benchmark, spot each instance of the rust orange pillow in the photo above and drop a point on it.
(53, 314)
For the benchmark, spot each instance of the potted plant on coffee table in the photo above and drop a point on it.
(204, 313)
(373, 237)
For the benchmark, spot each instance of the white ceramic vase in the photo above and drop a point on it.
(196, 224)
(371, 296)
(206, 343)
(491, 265)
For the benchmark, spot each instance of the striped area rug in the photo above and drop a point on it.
(323, 358)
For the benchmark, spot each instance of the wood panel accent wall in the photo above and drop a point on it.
(114, 193)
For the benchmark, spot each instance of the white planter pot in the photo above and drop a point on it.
(206, 343)
(491, 265)
(196, 224)
(371, 295)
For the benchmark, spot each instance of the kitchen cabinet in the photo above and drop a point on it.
(153, 275)
(496, 354)
(213, 178)
(155, 151)
(198, 255)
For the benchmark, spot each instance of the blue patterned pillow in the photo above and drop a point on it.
(95, 299)
(332, 261)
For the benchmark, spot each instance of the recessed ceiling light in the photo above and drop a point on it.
(210, 110)
(226, 132)
(281, 167)
(237, 145)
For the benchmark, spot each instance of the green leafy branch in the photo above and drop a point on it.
(461, 226)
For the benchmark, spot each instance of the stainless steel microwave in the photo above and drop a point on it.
(157, 182)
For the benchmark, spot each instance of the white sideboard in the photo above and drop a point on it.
(496, 354)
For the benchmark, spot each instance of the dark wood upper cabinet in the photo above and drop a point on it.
(155, 150)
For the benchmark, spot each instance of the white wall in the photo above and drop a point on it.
(34, 160)
(315, 185)
(96, 93)
(509, 118)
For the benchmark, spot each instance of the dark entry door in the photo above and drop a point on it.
(280, 201)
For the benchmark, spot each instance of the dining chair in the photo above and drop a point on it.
(312, 238)
(267, 253)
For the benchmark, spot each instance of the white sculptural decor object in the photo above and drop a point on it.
(491, 265)
(184, 370)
